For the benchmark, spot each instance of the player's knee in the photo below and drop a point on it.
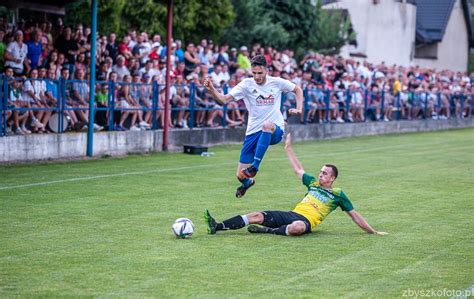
(297, 228)
(268, 127)
(255, 218)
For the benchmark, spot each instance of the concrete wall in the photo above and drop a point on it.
(73, 145)
(385, 31)
(453, 51)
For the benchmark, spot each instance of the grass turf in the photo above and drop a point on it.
(102, 227)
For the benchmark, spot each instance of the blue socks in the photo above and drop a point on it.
(262, 146)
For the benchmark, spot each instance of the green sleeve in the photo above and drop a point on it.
(308, 179)
(345, 204)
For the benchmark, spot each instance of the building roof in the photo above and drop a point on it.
(432, 17)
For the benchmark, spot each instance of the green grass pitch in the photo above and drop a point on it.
(103, 227)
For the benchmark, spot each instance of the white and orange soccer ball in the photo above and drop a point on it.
(183, 228)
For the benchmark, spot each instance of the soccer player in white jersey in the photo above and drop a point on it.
(262, 97)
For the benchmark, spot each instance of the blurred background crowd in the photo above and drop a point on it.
(34, 57)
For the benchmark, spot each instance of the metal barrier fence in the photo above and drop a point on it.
(62, 105)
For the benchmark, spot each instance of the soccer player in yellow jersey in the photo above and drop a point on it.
(320, 200)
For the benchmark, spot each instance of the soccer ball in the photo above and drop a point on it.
(182, 228)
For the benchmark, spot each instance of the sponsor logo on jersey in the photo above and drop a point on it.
(322, 197)
(265, 101)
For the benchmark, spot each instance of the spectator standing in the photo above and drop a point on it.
(179, 51)
(2, 49)
(233, 66)
(123, 48)
(243, 59)
(191, 59)
(139, 51)
(68, 46)
(16, 53)
(219, 78)
(112, 47)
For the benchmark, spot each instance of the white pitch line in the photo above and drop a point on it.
(104, 176)
(195, 166)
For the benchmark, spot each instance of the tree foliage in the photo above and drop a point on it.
(191, 19)
(300, 25)
(109, 14)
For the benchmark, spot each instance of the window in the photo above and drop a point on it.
(427, 51)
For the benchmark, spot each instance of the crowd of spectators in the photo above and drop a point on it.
(35, 56)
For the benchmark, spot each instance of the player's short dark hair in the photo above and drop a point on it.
(334, 169)
(258, 60)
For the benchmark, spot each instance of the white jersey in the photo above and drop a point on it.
(263, 102)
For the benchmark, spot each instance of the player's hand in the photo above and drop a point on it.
(381, 233)
(208, 84)
(293, 111)
(288, 140)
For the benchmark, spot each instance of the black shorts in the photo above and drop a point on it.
(276, 219)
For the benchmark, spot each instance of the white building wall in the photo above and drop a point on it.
(453, 51)
(385, 31)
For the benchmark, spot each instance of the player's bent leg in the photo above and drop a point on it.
(255, 218)
(296, 228)
(268, 126)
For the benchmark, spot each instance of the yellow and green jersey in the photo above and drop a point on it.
(319, 202)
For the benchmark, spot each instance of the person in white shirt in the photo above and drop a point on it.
(15, 55)
(34, 93)
(218, 76)
(262, 97)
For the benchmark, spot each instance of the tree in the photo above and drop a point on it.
(109, 14)
(332, 31)
(299, 25)
(239, 31)
(191, 19)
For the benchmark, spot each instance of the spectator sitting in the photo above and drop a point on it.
(34, 93)
(15, 101)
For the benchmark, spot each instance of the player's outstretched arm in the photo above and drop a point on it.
(297, 167)
(221, 98)
(299, 101)
(363, 224)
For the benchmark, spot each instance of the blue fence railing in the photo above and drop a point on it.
(63, 105)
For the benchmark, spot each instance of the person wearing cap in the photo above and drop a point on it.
(15, 55)
(262, 97)
(243, 59)
(233, 66)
